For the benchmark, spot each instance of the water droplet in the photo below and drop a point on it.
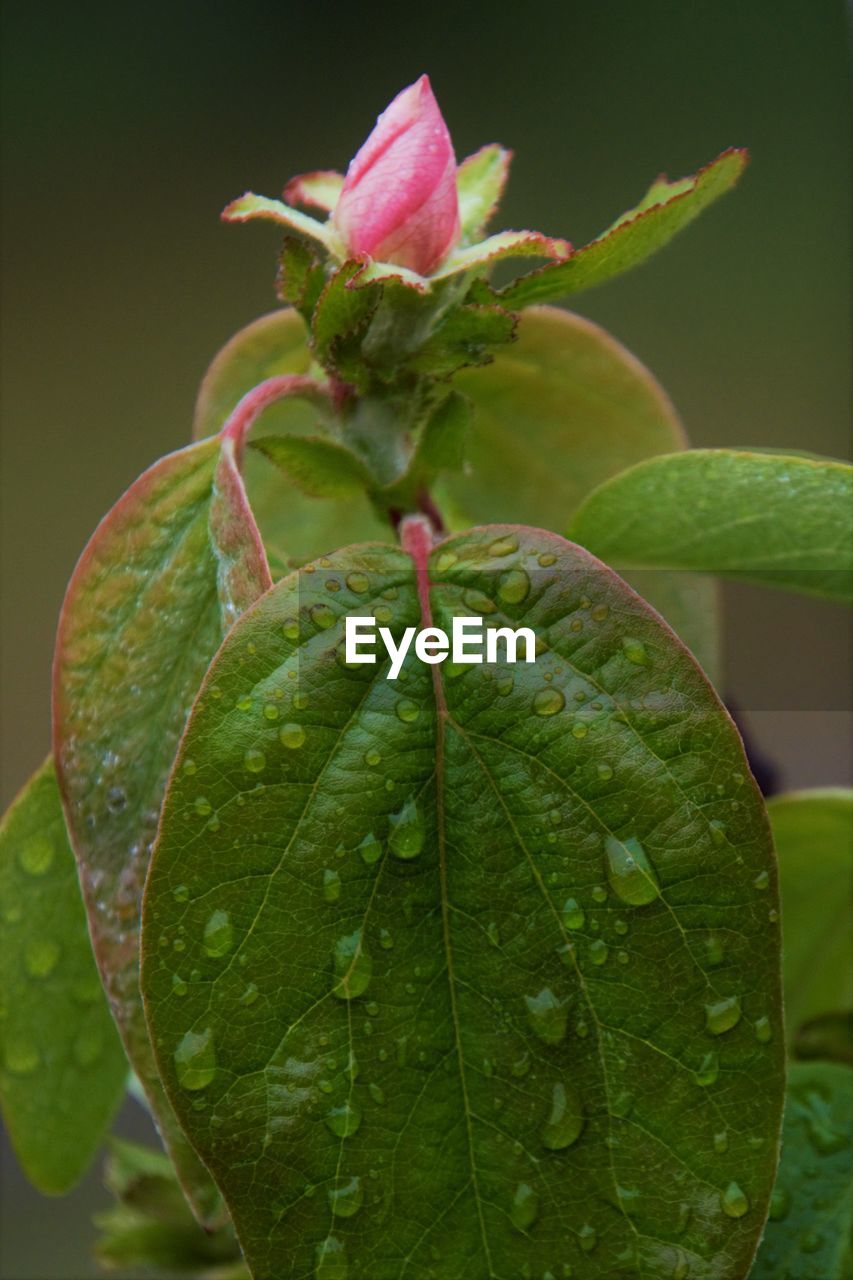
(250, 995)
(604, 772)
(370, 849)
(574, 916)
(505, 686)
(762, 880)
(579, 729)
(714, 950)
(478, 602)
(195, 1059)
(681, 1270)
(244, 703)
(524, 1209)
(734, 1201)
(383, 614)
(290, 629)
(330, 1260)
(718, 832)
(504, 546)
(722, 1015)
(322, 616)
(331, 885)
(346, 1197)
(218, 934)
(291, 736)
(344, 1120)
(271, 711)
(547, 702)
(254, 761)
(599, 893)
(189, 767)
(780, 1203)
(631, 875)
(587, 1238)
(446, 560)
(36, 856)
(407, 834)
(372, 758)
(41, 957)
(493, 934)
(202, 806)
(181, 893)
(635, 651)
(179, 986)
(353, 967)
(600, 612)
(546, 559)
(358, 582)
(721, 1142)
(708, 1070)
(514, 586)
(566, 1120)
(598, 951)
(547, 1015)
(407, 710)
(763, 1030)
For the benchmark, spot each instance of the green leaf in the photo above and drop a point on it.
(341, 318)
(480, 975)
(466, 336)
(813, 833)
(161, 581)
(301, 277)
(250, 207)
(292, 524)
(810, 1232)
(62, 1067)
(665, 209)
(480, 181)
(783, 521)
(318, 190)
(562, 409)
(319, 467)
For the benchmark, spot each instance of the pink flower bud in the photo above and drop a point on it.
(399, 201)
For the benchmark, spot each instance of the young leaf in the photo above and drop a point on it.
(810, 1232)
(481, 965)
(467, 336)
(62, 1067)
(318, 190)
(665, 209)
(301, 277)
(251, 206)
(320, 467)
(162, 579)
(813, 833)
(480, 181)
(781, 520)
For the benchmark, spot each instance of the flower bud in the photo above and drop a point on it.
(399, 202)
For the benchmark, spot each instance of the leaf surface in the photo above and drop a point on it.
(813, 833)
(162, 579)
(62, 1067)
(666, 209)
(810, 1232)
(478, 975)
(777, 519)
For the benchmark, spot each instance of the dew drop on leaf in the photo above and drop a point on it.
(574, 916)
(41, 957)
(548, 702)
(763, 1031)
(708, 1070)
(407, 711)
(547, 1015)
(407, 834)
(514, 586)
(566, 1119)
(734, 1201)
(322, 616)
(632, 877)
(218, 934)
(598, 951)
(36, 856)
(180, 893)
(635, 651)
(370, 849)
(195, 1059)
(291, 736)
(331, 885)
(353, 967)
(504, 546)
(524, 1209)
(343, 1121)
(722, 1015)
(358, 582)
(254, 761)
(330, 1260)
(587, 1238)
(346, 1197)
(780, 1203)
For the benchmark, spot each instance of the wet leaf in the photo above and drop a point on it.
(665, 209)
(783, 521)
(813, 833)
(477, 973)
(62, 1067)
(810, 1232)
(162, 579)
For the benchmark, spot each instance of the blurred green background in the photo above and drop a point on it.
(129, 126)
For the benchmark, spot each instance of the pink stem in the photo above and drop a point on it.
(253, 403)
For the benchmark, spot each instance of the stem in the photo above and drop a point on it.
(253, 403)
